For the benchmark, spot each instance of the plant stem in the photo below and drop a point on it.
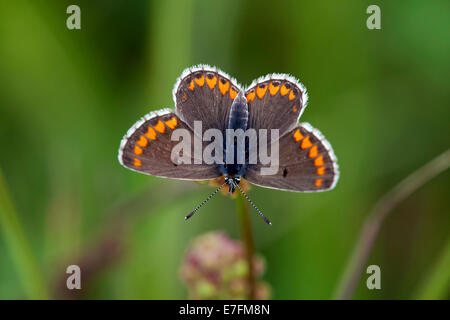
(247, 238)
(378, 215)
(19, 246)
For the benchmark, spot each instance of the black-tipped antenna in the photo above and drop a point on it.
(205, 201)
(251, 202)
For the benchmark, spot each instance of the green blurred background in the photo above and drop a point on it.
(67, 97)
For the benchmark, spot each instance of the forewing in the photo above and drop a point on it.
(147, 148)
(306, 163)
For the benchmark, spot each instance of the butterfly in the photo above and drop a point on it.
(306, 161)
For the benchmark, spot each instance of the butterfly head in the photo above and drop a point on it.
(232, 182)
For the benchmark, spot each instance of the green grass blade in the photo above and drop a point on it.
(437, 284)
(19, 247)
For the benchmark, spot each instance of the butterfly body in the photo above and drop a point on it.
(274, 104)
(238, 119)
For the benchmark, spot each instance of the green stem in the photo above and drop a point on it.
(19, 246)
(378, 215)
(247, 238)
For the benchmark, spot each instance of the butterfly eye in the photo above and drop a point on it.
(188, 79)
(288, 86)
(198, 75)
(210, 76)
(275, 83)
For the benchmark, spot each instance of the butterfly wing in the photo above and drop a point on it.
(306, 163)
(275, 101)
(147, 148)
(205, 94)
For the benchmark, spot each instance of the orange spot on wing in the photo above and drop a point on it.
(151, 134)
(313, 152)
(284, 91)
(306, 143)
(172, 123)
(191, 85)
(319, 161)
(160, 127)
(273, 89)
(142, 141)
(233, 93)
(294, 109)
(292, 95)
(318, 183)
(200, 81)
(298, 136)
(261, 91)
(321, 171)
(251, 96)
(223, 87)
(137, 162)
(211, 82)
(137, 151)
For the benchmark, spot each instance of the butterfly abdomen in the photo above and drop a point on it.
(239, 113)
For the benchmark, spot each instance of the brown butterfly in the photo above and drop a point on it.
(306, 160)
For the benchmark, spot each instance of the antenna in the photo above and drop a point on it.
(204, 201)
(251, 202)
